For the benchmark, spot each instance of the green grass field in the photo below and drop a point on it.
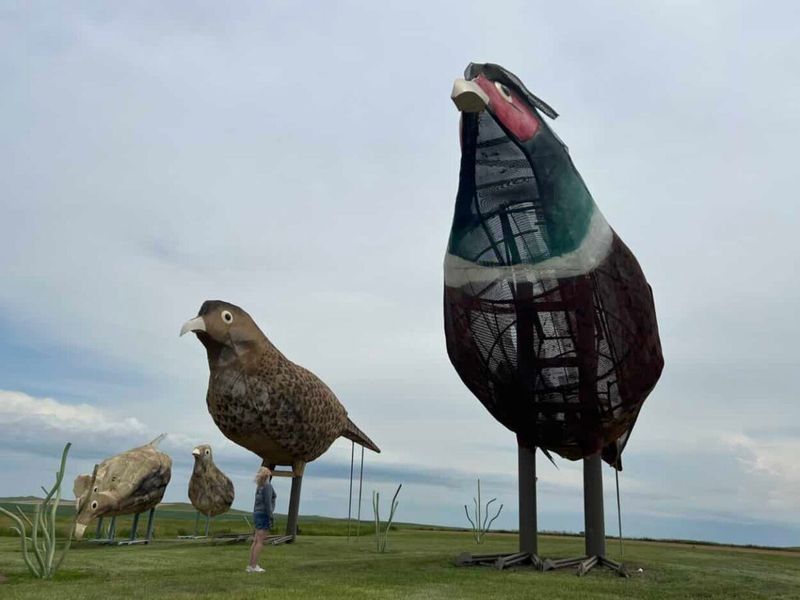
(418, 564)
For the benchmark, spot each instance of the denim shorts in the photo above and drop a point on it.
(261, 520)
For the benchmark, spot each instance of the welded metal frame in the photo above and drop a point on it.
(110, 538)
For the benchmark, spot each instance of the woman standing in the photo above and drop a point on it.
(263, 511)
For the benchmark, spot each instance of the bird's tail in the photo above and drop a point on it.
(157, 441)
(352, 432)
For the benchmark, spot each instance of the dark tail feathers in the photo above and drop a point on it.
(352, 432)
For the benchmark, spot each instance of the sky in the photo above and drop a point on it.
(301, 160)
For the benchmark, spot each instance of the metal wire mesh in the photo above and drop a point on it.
(565, 362)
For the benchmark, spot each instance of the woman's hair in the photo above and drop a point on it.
(262, 476)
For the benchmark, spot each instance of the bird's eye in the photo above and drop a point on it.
(95, 489)
(94, 505)
(208, 452)
(504, 91)
(227, 316)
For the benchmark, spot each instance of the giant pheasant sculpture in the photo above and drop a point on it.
(549, 320)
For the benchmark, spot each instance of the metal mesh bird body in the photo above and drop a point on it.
(128, 483)
(275, 408)
(549, 320)
(210, 490)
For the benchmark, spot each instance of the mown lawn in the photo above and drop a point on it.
(418, 564)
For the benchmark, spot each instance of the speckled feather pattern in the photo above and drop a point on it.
(268, 401)
(210, 490)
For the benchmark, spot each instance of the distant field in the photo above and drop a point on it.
(179, 519)
(418, 564)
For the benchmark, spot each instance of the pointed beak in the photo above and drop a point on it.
(468, 96)
(196, 452)
(196, 324)
(79, 529)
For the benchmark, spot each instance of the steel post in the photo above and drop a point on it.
(528, 534)
(294, 506)
(594, 519)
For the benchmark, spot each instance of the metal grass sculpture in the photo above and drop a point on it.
(39, 553)
(381, 537)
(480, 529)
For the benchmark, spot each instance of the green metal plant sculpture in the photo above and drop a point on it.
(42, 542)
(480, 529)
(381, 537)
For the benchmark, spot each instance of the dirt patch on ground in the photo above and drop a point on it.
(3, 578)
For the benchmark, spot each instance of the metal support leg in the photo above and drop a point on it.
(360, 481)
(594, 519)
(208, 524)
(350, 497)
(528, 532)
(593, 514)
(298, 469)
(196, 535)
(294, 506)
(150, 524)
(99, 531)
(134, 526)
(594, 525)
(112, 529)
(134, 531)
(528, 527)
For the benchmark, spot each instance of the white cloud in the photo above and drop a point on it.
(774, 471)
(21, 413)
(41, 425)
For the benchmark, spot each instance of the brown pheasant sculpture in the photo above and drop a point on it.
(260, 399)
(210, 490)
(264, 402)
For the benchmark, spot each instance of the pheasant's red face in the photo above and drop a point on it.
(509, 109)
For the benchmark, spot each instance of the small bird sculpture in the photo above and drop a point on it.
(263, 401)
(210, 490)
(129, 483)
